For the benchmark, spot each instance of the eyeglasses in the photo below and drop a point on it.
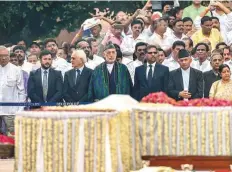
(154, 52)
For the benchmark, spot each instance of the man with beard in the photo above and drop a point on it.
(11, 87)
(45, 84)
(139, 57)
(213, 75)
(207, 32)
(128, 43)
(92, 59)
(109, 77)
(58, 63)
(20, 54)
(202, 64)
(150, 77)
(178, 30)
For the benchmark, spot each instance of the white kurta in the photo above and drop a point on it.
(171, 64)
(95, 62)
(131, 67)
(28, 67)
(11, 87)
(61, 64)
(204, 67)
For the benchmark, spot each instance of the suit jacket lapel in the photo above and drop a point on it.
(50, 80)
(191, 76)
(180, 78)
(144, 72)
(155, 72)
(39, 77)
(72, 78)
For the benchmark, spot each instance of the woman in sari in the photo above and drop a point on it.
(222, 89)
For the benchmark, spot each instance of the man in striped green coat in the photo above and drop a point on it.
(110, 77)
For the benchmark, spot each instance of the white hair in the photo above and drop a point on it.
(81, 54)
(4, 48)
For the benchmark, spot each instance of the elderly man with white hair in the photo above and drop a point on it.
(11, 87)
(76, 80)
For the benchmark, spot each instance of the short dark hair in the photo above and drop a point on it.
(12, 55)
(49, 40)
(160, 49)
(176, 10)
(205, 19)
(136, 22)
(19, 47)
(178, 43)
(82, 40)
(118, 51)
(176, 21)
(202, 43)
(219, 44)
(23, 41)
(186, 19)
(190, 41)
(44, 53)
(90, 40)
(138, 44)
(151, 46)
(222, 66)
(215, 18)
(227, 48)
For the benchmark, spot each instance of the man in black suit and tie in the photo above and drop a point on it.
(76, 80)
(150, 77)
(45, 84)
(213, 75)
(185, 82)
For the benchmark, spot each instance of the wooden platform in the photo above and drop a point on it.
(7, 165)
(198, 162)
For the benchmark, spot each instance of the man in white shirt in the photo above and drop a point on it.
(172, 62)
(58, 63)
(20, 54)
(202, 64)
(128, 43)
(139, 54)
(159, 37)
(11, 87)
(92, 59)
(178, 30)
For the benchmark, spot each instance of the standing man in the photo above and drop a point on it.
(76, 80)
(45, 84)
(185, 82)
(92, 59)
(11, 87)
(109, 77)
(35, 48)
(20, 54)
(213, 75)
(58, 63)
(150, 77)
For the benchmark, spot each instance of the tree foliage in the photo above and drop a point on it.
(31, 20)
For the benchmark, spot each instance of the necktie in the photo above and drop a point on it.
(77, 76)
(149, 77)
(45, 85)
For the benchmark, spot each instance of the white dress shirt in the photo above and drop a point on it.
(204, 67)
(131, 67)
(11, 87)
(171, 64)
(148, 68)
(61, 64)
(128, 45)
(110, 67)
(28, 67)
(185, 76)
(95, 62)
(165, 42)
(175, 38)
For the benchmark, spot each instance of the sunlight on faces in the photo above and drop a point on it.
(32, 59)
(207, 27)
(46, 61)
(216, 60)
(215, 24)
(161, 57)
(34, 49)
(52, 47)
(60, 53)
(226, 54)
(162, 26)
(185, 62)
(95, 31)
(78, 58)
(85, 47)
(110, 55)
(4, 57)
(152, 55)
(94, 47)
(122, 17)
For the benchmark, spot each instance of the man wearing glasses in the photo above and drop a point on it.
(150, 77)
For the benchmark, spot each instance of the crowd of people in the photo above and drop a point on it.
(185, 53)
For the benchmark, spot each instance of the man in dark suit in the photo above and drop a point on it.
(45, 84)
(76, 80)
(150, 77)
(213, 75)
(185, 82)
